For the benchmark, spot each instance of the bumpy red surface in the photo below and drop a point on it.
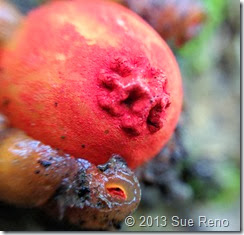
(93, 79)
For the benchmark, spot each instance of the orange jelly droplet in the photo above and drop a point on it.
(116, 191)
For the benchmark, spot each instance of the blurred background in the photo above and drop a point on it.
(198, 172)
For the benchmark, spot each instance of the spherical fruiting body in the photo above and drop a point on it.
(93, 79)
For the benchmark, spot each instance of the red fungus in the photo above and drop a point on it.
(93, 79)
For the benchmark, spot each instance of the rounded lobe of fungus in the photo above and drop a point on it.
(35, 175)
(30, 172)
(97, 197)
